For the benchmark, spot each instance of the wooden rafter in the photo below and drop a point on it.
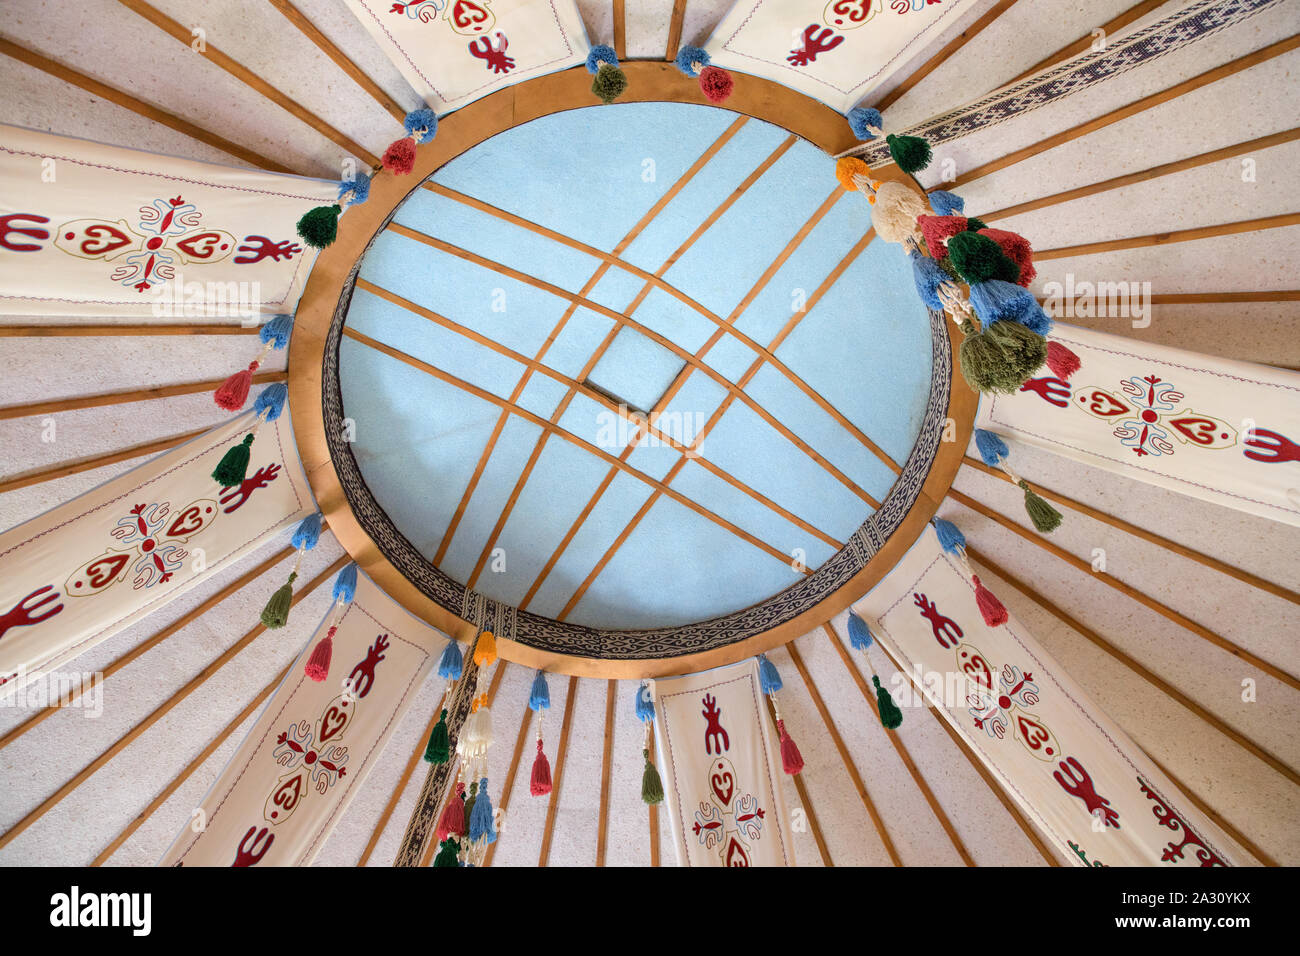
(675, 29)
(182, 34)
(652, 812)
(123, 398)
(98, 461)
(606, 772)
(1155, 680)
(1132, 109)
(557, 775)
(620, 30)
(341, 59)
(897, 741)
(84, 774)
(1127, 590)
(1139, 532)
(139, 106)
(550, 428)
(1143, 175)
(949, 49)
(97, 331)
(1168, 238)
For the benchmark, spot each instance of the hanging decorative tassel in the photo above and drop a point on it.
(993, 611)
(945, 203)
(233, 392)
(937, 230)
(1046, 519)
(769, 678)
(769, 681)
(978, 259)
(485, 649)
(319, 227)
(1016, 248)
(891, 718)
(452, 821)
(482, 827)
(866, 123)
(276, 613)
(276, 332)
(911, 153)
(896, 211)
(469, 803)
(448, 854)
(950, 537)
(993, 450)
(791, 759)
(1002, 357)
(539, 699)
(610, 81)
(438, 750)
(451, 665)
(998, 301)
(859, 634)
(852, 173)
(1062, 361)
(345, 589)
(233, 467)
(929, 276)
(652, 786)
(421, 126)
(715, 83)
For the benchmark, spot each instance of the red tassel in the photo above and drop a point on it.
(540, 784)
(937, 230)
(716, 84)
(1062, 361)
(452, 821)
(791, 759)
(399, 157)
(994, 613)
(1017, 249)
(318, 665)
(233, 392)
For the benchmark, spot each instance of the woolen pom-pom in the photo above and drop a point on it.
(1016, 248)
(978, 258)
(1062, 361)
(896, 210)
(688, 56)
(847, 167)
(270, 401)
(275, 333)
(422, 124)
(992, 449)
(716, 84)
(937, 230)
(609, 84)
(598, 54)
(233, 392)
(320, 226)
(911, 153)
(358, 186)
(861, 118)
(950, 537)
(945, 203)
(399, 157)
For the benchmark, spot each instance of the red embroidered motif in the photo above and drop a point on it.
(714, 734)
(7, 229)
(252, 847)
(1170, 820)
(815, 40)
(1076, 781)
(945, 628)
(492, 54)
(24, 614)
(235, 496)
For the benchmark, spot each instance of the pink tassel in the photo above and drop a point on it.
(791, 759)
(540, 784)
(716, 84)
(318, 665)
(233, 392)
(452, 821)
(994, 612)
(1062, 361)
(399, 157)
(937, 230)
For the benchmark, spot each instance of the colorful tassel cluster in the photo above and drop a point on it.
(715, 83)
(769, 681)
(652, 786)
(232, 469)
(1003, 325)
(345, 589)
(468, 817)
(610, 81)
(860, 638)
(539, 700)
(276, 613)
(993, 450)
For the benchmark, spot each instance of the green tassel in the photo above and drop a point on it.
(911, 153)
(439, 749)
(609, 84)
(975, 225)
(318, 227)
(890, 716)
(1045, 518)
(1002, 357)
(447, 855)
(652, 788)
(233, 467)
(978, 258)
(276, 612)
(469, 801)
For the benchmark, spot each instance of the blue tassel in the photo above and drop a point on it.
(1036, 319)
(645, 705)
(600, 53)
(950, 537)
(359, 186)
(859, 634)
(270, 400)
(345, 585)
(991, 448)
(929, 276)
(276, 332)
(539, 698)
(860, 117)
(688, 56)
(480, 820)
(946, 203)
(307, 533)
(422, 124)
(768, 677)
(451, 665)
(996, 299)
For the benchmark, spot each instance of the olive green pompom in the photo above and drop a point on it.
(652, 788)
(276, 612)
(609, 84)
(1002, 357)
(1045, 518)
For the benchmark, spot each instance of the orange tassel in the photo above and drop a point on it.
(791, 759)
(318, 665)
(485, 650)
(540, 784)
(993, 610)
(233, 392)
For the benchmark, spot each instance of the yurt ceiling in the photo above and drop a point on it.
(683, 258)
